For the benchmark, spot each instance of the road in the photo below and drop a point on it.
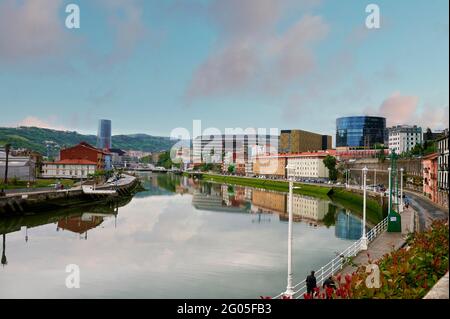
(427, 210)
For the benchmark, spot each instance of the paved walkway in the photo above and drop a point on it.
(440, 290)
(384, 243)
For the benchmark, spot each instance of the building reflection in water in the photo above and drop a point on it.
(221, 198)
(264, 204)
(347, 226)
(82, 224)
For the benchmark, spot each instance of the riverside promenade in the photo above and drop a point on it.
(385, 242)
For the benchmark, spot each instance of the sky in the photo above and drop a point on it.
(153, 66)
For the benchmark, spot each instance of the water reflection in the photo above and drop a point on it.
(180, 238)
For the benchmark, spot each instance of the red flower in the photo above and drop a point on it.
(286, 297)
(329, 292)
(307, 296)
(265, 297)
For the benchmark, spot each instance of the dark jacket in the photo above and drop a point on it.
(311, 281)
(329, 283)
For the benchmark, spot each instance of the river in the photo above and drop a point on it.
(180, 238)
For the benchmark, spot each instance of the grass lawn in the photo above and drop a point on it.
(39, 183)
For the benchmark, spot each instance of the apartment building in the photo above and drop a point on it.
(442, 145)
(403, 138)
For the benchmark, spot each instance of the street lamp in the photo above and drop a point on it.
(364, 238)
(400, 207)
(290, 287)
(7, 149)
(390, 191)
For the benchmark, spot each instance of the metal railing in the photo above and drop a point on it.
(337, 263)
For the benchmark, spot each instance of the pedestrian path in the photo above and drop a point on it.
(440, 290)
(384, 243)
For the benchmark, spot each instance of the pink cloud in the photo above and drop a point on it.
(50, 123)
(30, 29)
(402, 109)
(399, 109)
(34, 31)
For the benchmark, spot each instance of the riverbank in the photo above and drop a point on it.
(17, 204)
(347, 199)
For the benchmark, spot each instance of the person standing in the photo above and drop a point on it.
(311, 284)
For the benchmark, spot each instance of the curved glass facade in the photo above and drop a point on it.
(360, 131)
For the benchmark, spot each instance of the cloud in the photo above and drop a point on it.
(49, 122)
(403, 109)
(252, 53)
(31, 29)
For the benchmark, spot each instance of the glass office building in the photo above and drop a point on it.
(104, 134)
(360, 131)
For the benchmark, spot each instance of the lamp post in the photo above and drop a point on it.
(375, 180)
(7, 149)
(390, 192)
(289, 288)
(346, 177)
(363, 237)
(400, 207)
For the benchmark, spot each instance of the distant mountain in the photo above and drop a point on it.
(43, 140)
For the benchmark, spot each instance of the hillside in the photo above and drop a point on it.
(47, 141)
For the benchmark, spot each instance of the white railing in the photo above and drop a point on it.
(337, 263)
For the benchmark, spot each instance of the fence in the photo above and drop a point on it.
(337, 263)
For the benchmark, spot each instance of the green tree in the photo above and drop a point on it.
(428, 135)
(164, 160)
(330, 218)
(330, 163)
(231, 169)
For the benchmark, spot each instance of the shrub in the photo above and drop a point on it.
(407, 273)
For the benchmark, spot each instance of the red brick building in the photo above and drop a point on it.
(84, 151)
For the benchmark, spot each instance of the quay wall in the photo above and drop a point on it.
(34, 202)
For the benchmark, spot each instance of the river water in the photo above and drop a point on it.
(180, 238)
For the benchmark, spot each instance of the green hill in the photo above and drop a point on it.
(43, 140)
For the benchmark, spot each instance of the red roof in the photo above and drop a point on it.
(73, 162)
(89, 146)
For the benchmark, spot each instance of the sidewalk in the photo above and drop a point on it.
(439, 290)
(384, 243)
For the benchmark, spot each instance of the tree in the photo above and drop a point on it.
(330, 163)
(231, 169)
(428, 135)
(164, 160)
